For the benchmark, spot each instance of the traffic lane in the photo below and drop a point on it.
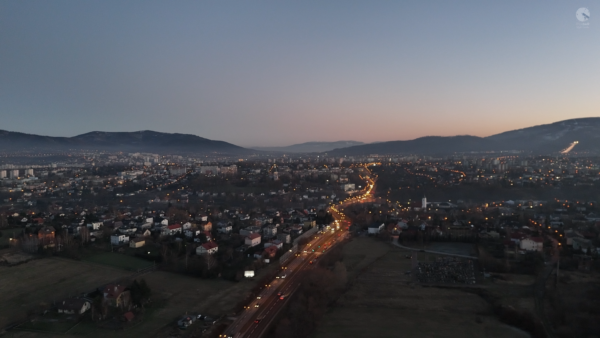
(260, 327)
(271, 296)
(298, 264)
(252, 312)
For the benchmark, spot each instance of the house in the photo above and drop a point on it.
(252, 240)
(128, 316)
(207, 248)
(94, 225)
(276, 243)
(532, 244)
(270, 231)
(143, 233)
(581, 243)
(186, 225)
(73, 306)
(205, 226)
(116, 295)
(249, 230)
(271, 251)
(137, 242)
(119, 239)
(224, 228)
(172, 230)
(284, 238)
(191, 232)
(375, 228)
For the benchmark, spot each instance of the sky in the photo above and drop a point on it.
(276, 73)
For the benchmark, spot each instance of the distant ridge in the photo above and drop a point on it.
(311, 147)
(146, 140)
(542, 139)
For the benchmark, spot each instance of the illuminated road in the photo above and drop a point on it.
(258, 316)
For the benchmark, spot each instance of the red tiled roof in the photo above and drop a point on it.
(113, 290)
(254, 236)
(174, 226)
(537, 239)
(210, 245)
(129, 316)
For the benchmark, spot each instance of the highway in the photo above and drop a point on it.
(257, 317)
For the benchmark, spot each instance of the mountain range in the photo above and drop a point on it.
(311, 147)
(542, 139)
(149, 141)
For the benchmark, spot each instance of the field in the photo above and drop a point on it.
(26, 286)
(177, 295)
(118, 261)
(383, 301)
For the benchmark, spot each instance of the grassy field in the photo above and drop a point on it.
(118, 261)
(29, 285)
(384, 302)
(177, 293)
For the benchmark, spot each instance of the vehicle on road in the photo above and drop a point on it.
(256, 305)
(258, 297)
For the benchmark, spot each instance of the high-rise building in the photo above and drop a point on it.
(14, 173)
(2, 173)
(29, 172)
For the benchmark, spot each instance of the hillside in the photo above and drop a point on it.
(543, 139)
(311, 147)
(146, 140)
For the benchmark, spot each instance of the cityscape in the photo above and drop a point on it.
(163, 174)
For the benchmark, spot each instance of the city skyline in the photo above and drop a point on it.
(267, 74)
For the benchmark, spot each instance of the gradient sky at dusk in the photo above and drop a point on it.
(274, 73)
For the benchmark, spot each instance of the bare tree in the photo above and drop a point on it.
(210, 261)
(84, 232)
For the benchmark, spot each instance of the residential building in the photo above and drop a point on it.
(73, 306)
(116, 295)
(532, 244)
(375, 228)
(207, 248)
(119, 239)
(137, 242)
(252, 240)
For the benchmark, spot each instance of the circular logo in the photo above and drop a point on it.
(582, 14)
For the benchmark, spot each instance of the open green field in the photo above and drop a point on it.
(118, 261)
(38, 282)
(177, 294)
(50, 326)
(384, 302)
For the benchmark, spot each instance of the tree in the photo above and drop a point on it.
(84, 232)
(140, 292)
(210, 261)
